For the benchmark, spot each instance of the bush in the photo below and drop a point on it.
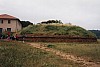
(50, 46)
(51, 27)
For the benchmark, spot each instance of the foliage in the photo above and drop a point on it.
(97, 32)
(5, 34)
(50, 46)
(52, 21)
(26, 23)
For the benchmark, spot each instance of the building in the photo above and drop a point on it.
(9, 23)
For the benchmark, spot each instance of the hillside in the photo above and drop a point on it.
(97, 32)
(57, 30)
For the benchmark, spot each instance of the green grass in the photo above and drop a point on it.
(56, 30)
(17, 54)
(89, 51)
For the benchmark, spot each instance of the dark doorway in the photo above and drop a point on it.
(9, 29)
(0, 30)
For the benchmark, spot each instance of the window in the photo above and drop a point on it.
(9, 21)
(9, 29)
(1, 21)
(0, 30)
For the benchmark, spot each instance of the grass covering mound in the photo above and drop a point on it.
(15, 54)
(57, 30)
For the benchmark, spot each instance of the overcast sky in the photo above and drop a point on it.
(84, 13)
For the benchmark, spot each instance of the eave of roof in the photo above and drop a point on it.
(6, 16)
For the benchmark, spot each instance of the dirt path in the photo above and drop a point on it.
(65, 55)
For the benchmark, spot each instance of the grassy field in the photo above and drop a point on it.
(88, 51)
(17, 54)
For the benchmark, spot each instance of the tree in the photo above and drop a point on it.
(26, 23)
(52, 21)
(97, 32)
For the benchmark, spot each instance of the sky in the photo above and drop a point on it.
(84, 13)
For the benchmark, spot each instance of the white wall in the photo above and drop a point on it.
(15, 25)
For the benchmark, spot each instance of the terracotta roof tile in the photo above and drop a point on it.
(6, 16)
